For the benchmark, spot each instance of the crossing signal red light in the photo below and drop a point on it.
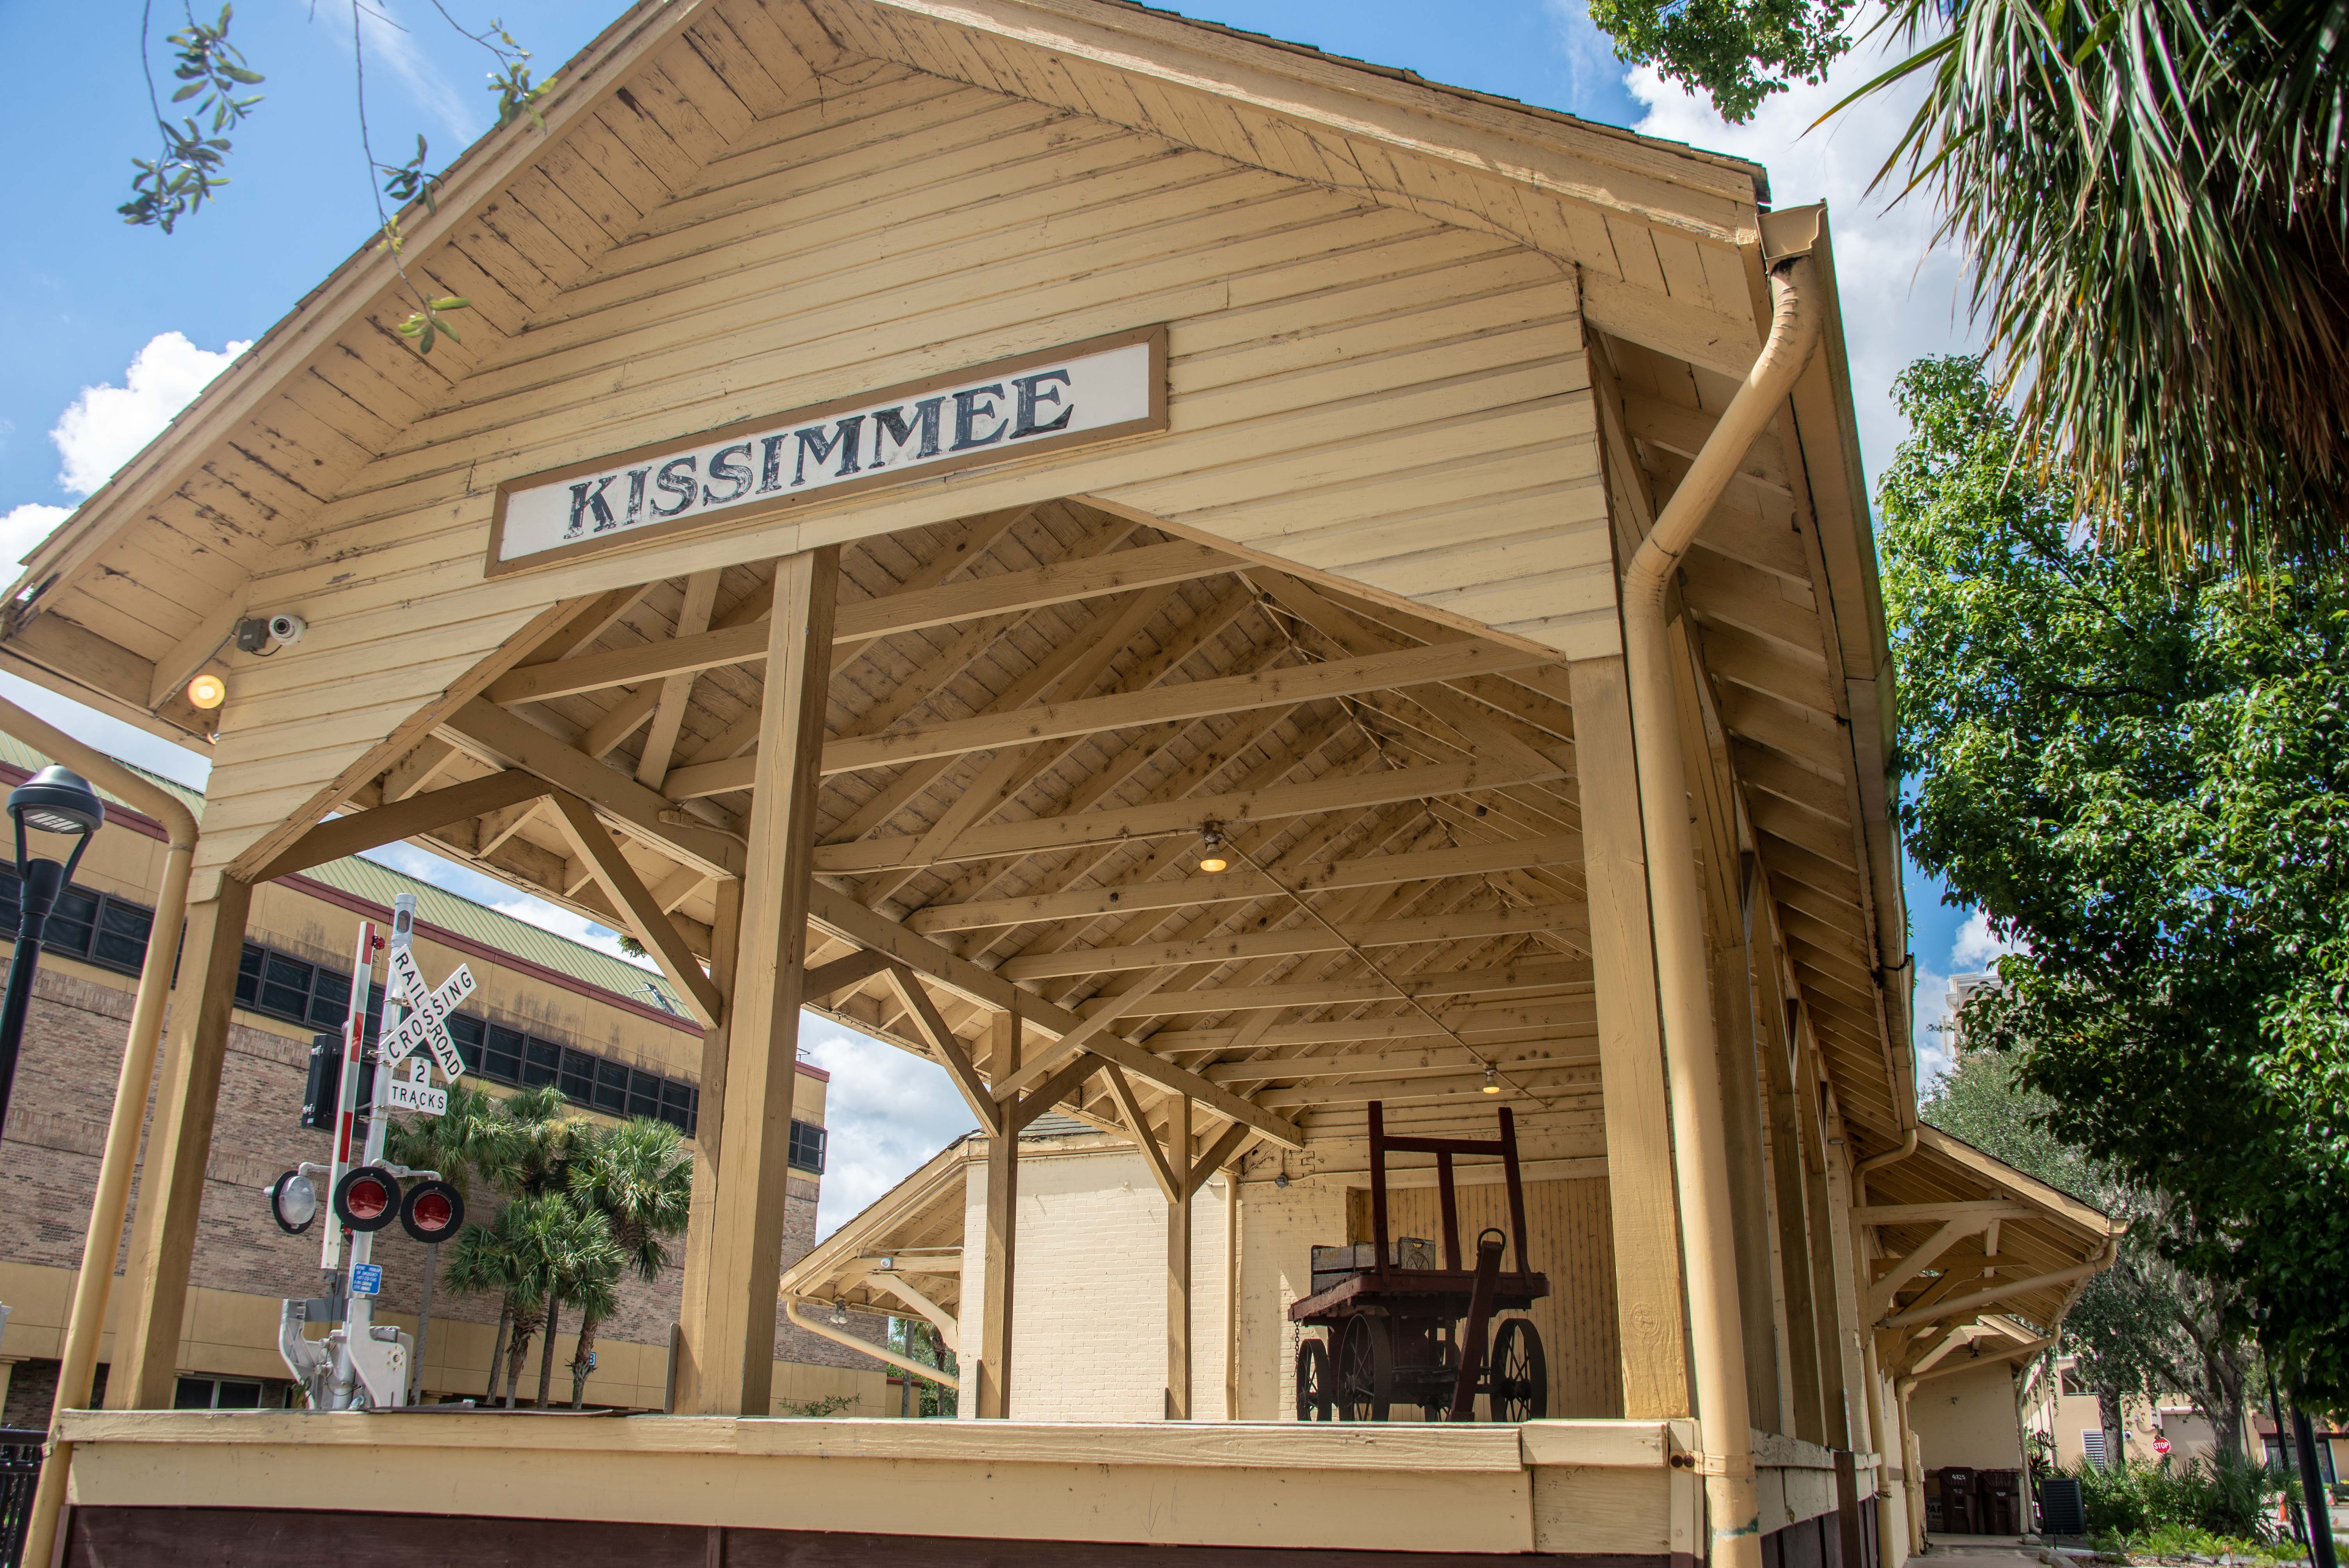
(432, 1213)
(366, 1198)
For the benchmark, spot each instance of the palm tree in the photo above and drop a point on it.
(522, 1149)
(2152, 195)
(491, 1259)
(571, 1256)
(639, 1178)
(535, 1145)
(466, 1138)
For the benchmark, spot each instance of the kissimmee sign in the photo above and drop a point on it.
(1098, 390)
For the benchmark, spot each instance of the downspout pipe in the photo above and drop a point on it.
(87, 1319)
(821, 1330)
(1700, 1161)
(1893, 1156)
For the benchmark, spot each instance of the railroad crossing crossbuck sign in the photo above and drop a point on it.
(426, 1026)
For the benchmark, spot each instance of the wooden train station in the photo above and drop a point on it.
(1200, 585)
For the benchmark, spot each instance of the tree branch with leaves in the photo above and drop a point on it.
(190, 167)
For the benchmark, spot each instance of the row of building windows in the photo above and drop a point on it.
(112, 933)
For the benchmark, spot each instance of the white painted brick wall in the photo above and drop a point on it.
(1089, 1336)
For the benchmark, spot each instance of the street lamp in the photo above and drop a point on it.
(53, 800)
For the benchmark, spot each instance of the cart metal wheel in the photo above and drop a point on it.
(1366, 1379)
(1519, 1386)
(1317, 1382)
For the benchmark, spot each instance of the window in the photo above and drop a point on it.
(2092, 1447)
(807, 1147)
(85, 924)
(112, 932)
(219, 1394)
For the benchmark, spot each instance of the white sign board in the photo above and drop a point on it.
(1099, 390)
(426, 1023)
(415, 1092)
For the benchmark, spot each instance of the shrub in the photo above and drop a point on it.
(2228, 1498)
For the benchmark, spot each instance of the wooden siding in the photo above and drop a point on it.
(1359, 391)
(1570, 1234)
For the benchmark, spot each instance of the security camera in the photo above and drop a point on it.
(286, 629)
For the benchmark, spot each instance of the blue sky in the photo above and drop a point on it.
(109, 329)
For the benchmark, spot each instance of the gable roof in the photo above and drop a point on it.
(332, 461)
(1654, 228)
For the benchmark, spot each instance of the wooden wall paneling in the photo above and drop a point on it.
(1567, 1229)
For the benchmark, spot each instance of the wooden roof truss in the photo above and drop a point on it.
(1032, 718)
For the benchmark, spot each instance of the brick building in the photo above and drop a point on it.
(614, 1037)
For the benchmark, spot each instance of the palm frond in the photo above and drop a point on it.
(2150, 193)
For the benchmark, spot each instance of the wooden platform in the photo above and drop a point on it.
(1606, 1488)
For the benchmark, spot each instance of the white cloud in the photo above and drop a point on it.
(1901, 296)
(1929, 1026)
(886, 1112)
(1971, 952)
(1590, 57)
(109, 734)
(391, 40)
(107, 426)
(1976, 944)
(25, 526)
(467, 882)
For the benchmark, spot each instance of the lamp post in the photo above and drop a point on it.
(53, 800)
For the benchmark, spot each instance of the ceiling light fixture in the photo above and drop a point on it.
(1212, 859)
(208, 691)
(1491, 1081)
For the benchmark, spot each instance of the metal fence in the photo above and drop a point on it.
(20, 1472)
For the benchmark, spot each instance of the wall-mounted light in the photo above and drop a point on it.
(207, 692)
(1211, 858)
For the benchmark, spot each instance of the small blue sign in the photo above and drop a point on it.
(367, 1279)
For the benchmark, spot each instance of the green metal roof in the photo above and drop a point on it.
(490, 927)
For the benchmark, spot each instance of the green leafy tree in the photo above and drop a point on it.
(917, 1340)
(638, 1176)
(191, 165)
(2146, 783)
(2150, 194)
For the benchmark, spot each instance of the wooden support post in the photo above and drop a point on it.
(1178, 1260)
(735, 1340)
(709, 1128)
(1797, 1257)
(171, 1177)
(1749, 1182)
(1002, 1206)
(1648, 1309)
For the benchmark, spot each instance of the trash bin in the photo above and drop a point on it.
(1960, 1512)
(1998, 1497)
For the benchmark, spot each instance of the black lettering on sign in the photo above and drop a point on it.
(842, 439)
(636, 494)
(969, 409)
(1032, 391)
(725, 465)
(586, 503)
(677, 478)
(889, 425)
(770, 463)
